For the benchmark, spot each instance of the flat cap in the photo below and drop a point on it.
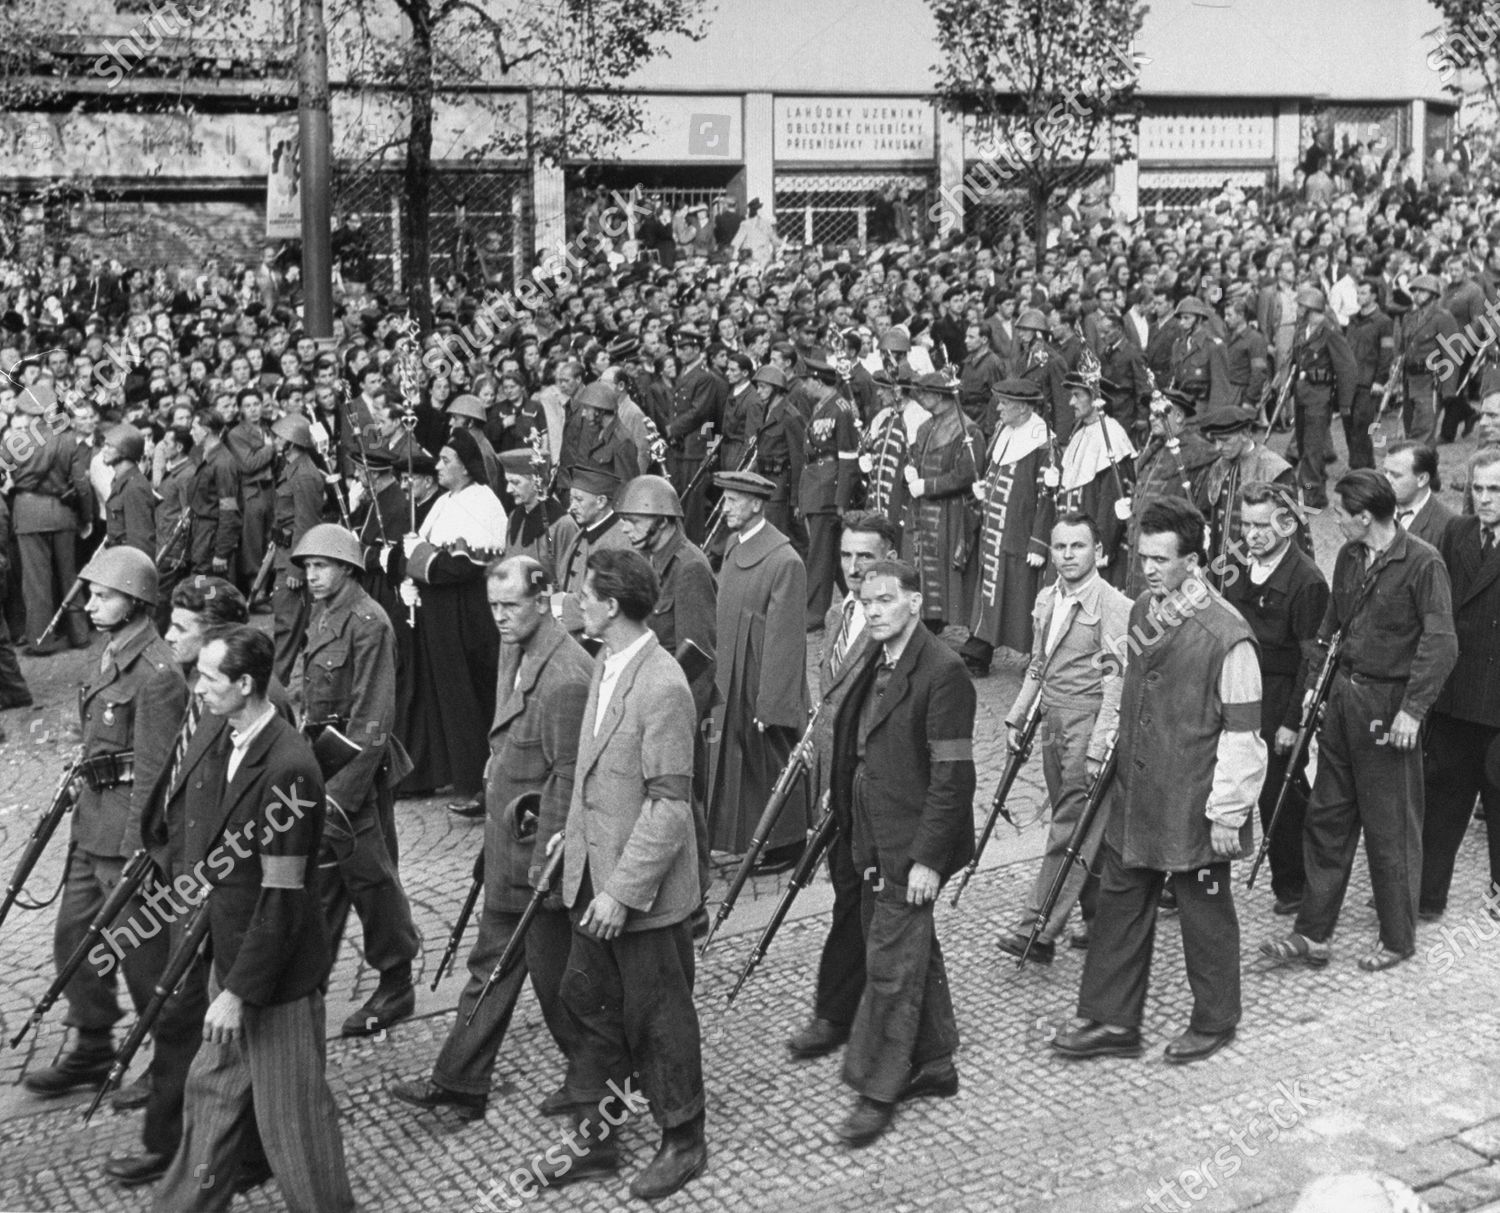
(597, 480)
(1023, 390)
(752, 484)
(1226, 419)
(935, 383)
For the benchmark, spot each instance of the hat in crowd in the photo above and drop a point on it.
(1033, 319)
(816, 360)
(604, 397)
(519, 461)
(295, 429)
(772, 375)
(687, 334)
(1193, 306)
(753, 484)
(592, 479)
(622, 348)
(753, 205)
(1022, 390)
(36, 399)
(1180, 400)
(127, 440)
(882, 378)
(463, 444)
(376, 458)
(935, 383)
(1312, 299)
(896, 340)
(1226, 419)
(1426, 282)
(419, 463)
(468, 406)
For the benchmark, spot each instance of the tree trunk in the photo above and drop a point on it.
(1040, 193)
(416, 215)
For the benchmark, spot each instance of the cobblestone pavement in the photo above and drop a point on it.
(1333, 1070)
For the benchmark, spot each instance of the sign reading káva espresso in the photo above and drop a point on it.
(852, 130)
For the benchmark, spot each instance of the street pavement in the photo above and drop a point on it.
(1333, 1071)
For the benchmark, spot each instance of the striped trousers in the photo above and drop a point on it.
(273, 1072)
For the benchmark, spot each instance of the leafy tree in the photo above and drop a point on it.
(570, 54)
(1046, 82)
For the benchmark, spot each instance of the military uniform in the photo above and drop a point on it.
(1126, 387)
(299, 508)
(1247, 359)
(1430, 373)
(829, 471)
(697, 400)
(1044, 366)
(254, 455)
(173, 503)
(779, 459)
(1200, 369)
(349, 681)
(216, 504)
(1324, 376)
(1372, 342)
(130, 511)
(53, 499)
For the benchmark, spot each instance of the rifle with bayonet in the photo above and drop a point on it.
(41, 834)
(704, 468)
(817, 846)
(476, 884)
(797, 765)
(131, 878)
(173, 975)
(1015, 759)
(1074, 852)
(1283, 393)
(517, 940)
(1311, 707)
(69, 601)
(179, 528)
(262, 574)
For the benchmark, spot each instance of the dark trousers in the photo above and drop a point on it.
(905, 1017)
(628, 1003)
(841, 970)
(681, 469)
(1357, 428)
(822, 565)
(260, 519)
(1455, 774)
(1363, 783)
(1117, 972)
(13, 689)
(366, 878)
(1313, 438)
(468, 1056)
(291, 610)
(1456, 411)
(48, 570)
(1288, 874)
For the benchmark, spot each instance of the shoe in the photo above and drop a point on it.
(1080, 939)
(251, 1175)
(1381, 959)
(1195, 1046)
(868, 1119)
(136, 1095)
(131, 1170)
(424, 1093)
(556, 1104)
(778, 859)
(817, 1038)
(1286, 908)
(600, 1157)
(388, 1005)
(1430, 915)
(1294, 947)
(84, 1066)
(937, 1078)
(682, 1157)
(468, 808)
(1095, 1039)
(1013, 943)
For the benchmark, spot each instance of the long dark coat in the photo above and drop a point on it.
(938, 537)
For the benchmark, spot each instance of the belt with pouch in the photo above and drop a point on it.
(104, 771)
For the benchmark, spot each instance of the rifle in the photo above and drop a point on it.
(817, 846)
(41, 835)
(459, 927)
(1282, 394)
(130, 881)
(173, 974)
(796, 766)
(262, 575)
(68, 602)
(1014, 761)
(1309, 722)
(178, 528)
(705, 467)
(518, 937)
(1072, 855)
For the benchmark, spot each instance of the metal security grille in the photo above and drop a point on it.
(992, 208)
(858, 209)
(1175, 190)
(479, 222)
(1334, 126)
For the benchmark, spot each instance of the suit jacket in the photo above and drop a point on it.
(631, 822)
(1472, 691)
(1432, 522)
(540, 692)
(919, 762)
(834, 688)
(258, 850)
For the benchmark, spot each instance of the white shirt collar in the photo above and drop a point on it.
(1418, 504)
(615, 662)
(241, 739)
(747, 536)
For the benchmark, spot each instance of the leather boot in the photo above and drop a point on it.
(394, 1000)
(86, 1064)
(600, 1152)
(682, 1156)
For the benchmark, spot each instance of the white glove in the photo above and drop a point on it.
(409, 544)
(1122, 508)
(917, 487)
(409, 595)
(356, 495)
(911, 474)
(978, 488)
(866, 464)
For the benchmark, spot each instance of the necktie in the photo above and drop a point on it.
(184, 735)
(1405, 517)
(1487, 542)
(841, 641)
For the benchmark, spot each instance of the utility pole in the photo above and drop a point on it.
(315, 134)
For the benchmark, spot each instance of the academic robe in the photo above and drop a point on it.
(938, 537)
(1097, 471)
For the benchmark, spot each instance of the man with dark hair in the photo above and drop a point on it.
(1465, 721)
(1283, 595)
(902, 788)
(1412, 469)
(1077, 624)
(214, 499)
(1189, 762)
(1392, 609)
(630, 879)
(867, 537)
(540, 692)
(262, 1057)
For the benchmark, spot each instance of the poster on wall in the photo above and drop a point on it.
(283, 180)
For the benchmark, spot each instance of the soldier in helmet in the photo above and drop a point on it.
(1200, 367)
(130, 512)
(782, 435)
(1430, 375)
(592, 433)
(1324, 378)
(130, 712)
(468, 413)
(349, 683)
(1038, 360)
(299, 508)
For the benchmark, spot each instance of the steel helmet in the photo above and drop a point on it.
(1193, 306)
(1033, 319)
(471, 407)
(599, 395)
(294, 429)
(128, 441)
(1426, 282)
(896, 341)
(125, 569)
(772, 375)
(1311, 298)
(651, 495)
(331, 542)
